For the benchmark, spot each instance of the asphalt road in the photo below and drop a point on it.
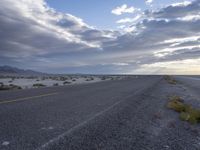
(36, 118)
(192, 83)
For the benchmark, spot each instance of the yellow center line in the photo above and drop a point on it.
(26, 98)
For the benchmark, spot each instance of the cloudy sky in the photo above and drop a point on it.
(92, 36)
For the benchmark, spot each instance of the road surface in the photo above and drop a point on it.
(192, 83)
(36, 118)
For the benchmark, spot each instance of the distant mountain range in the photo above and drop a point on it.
(8, 70)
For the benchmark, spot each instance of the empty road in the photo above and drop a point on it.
(192, 83)
(36, 118)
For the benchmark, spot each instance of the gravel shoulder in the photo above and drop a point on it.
(141, 122)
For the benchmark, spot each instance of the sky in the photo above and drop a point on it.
(101, 37)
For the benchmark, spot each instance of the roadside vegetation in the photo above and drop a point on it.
(27, 82)
(55, 84)
(103, 78)
(89, 79)
(38, 85)
(187, 112)
(9, 87)
(170, 79)
(66, 82)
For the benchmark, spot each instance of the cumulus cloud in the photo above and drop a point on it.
(129, 20)
(36, 36)
(177, 10)
(183, 4)
(124, 9)
(148, 2)
(164, 36)
(33, 25)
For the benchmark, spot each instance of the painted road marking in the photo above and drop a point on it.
(26, 98)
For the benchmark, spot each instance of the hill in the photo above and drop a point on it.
(13, 71)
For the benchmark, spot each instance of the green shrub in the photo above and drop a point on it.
(170, 80)
(103, 78)
(194, 115)
(63, 78)
(176, 105)
(10, 87)
(55, 84)
(17, 87)
(66, 82)
(184, 116)
(38, 85)
(2, 88)
(89, 79)
(187, 112)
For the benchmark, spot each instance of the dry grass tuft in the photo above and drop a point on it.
(187, 112)
(10, 87)
(170, 80)
(38, 85)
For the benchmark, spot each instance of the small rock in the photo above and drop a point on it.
(186, 126)
(171, 124)
(50, 128)
(195, 131)
(157, 115)
(5, 143)
(166, 146)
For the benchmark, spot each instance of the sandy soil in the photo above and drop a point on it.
(27, 82)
